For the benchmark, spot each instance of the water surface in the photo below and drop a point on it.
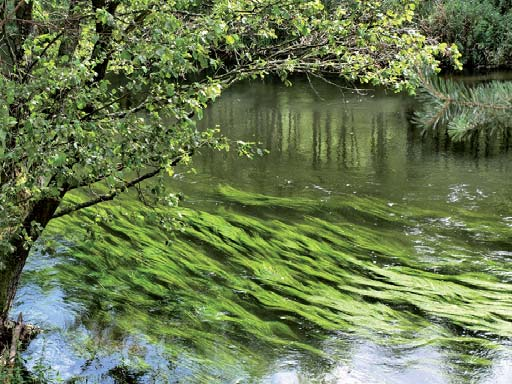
(356, 251)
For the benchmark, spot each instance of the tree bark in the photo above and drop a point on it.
(101, 48)
(10, 273)
(72, 26)
(12, 262)
(23, 18)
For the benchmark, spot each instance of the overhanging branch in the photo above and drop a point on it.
(112, 195)
(107, 196)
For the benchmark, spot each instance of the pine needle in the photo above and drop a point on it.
(463, 110)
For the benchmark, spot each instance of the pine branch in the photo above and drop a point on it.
(461, 109)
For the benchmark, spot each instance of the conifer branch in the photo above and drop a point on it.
(461, 109)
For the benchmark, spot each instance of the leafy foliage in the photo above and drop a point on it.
(464, 110)
(108, 90)
(481, 29)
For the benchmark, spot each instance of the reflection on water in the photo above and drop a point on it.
(355, 252)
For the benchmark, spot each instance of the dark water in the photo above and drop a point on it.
(356, 251)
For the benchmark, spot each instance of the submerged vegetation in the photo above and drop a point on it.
(270, 284)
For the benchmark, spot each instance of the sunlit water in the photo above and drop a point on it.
(356, 251)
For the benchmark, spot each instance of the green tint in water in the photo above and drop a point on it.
(352, 253)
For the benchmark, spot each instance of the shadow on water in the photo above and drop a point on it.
(357, 251)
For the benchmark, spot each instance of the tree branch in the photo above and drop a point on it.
(34, 62)
(8, 17)
(10, 49)
(107, 196)
(72, 27)
(23, 13)
(101, 50)
(112, 195)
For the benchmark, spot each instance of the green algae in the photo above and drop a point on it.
(231, 286)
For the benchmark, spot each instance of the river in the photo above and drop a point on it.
(355, 251)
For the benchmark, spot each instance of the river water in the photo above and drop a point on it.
(355, 251)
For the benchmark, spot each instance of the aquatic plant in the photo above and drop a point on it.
(231, 289)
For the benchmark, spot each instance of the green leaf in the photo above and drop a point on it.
(230, 40)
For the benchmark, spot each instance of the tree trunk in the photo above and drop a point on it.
(12, 263)
(10, 273)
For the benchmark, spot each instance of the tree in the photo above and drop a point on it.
(103, 94)
(480, 28)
